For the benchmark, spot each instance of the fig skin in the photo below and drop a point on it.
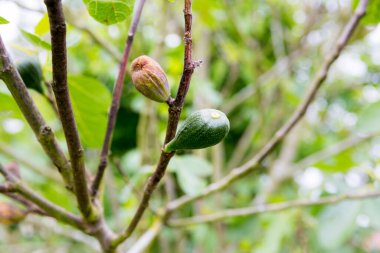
(202, 129)
(150, 79)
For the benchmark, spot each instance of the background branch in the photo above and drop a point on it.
(315, 85)
(288, 169)
(146, 239)
(350, 142)
(118, 88)
(50, 208)
(51, 224)
(259, 209)
(175, 109)
(35, 168)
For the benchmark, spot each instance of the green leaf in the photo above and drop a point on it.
(369, 119)
(197, 165)
(3, 21)
(8, 107)
(280, 227)
(190, 183)
(43, 26)
(109, 12)
(337, 223)
(34, 39)
(191, 172)
(371, 209)
(372, 16)
(90, 100)
(339, 163)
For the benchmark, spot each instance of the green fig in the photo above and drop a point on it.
(31, 73)
(150, 79)
(202, 129)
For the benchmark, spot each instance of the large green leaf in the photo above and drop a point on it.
(280, 226)
(340, 163)
(90, 100)
(109, 12)
(372, 16)
(43, 26)
(191, 172)
(3, 21)
(8, 107)
(337, 223)
(371, 209)
(34, 39)
(369, 119)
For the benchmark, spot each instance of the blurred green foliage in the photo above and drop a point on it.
(258, 60)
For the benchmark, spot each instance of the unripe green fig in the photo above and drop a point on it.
(202, 129)
(150, 79)
(31, 73)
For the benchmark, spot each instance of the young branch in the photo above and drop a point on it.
(288, 171)
(175, 108)
(61, 92)
(45, 172)
(16, 186)
(50, 224)
(116, 99)
(331, 151)
(249, 211)
(298, 114)
(146, 239)
(43, 132)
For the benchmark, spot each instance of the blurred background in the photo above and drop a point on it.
(258, 60)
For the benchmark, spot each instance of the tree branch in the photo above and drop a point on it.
(146, 239)
(350, 142)
(249, 211)
(315, 85)
(175, 108)
(116, 99)
(35, 168)
(61, 92)
(280, 66)
(16, 186)
(43, 132)
(288, 171)
(72, 234)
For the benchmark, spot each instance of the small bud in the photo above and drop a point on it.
(10, 214)
(150, 79)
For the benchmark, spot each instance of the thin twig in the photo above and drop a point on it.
(277, 69)
(315, 85)
(288, 170)
(35, 168)
(52, 225)
(280, 66)
(333, 150)
(116, 99)
(50, 208)
(62, 97)
(175, 109)
(43, 132)
(146, 239)
(249, 211)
